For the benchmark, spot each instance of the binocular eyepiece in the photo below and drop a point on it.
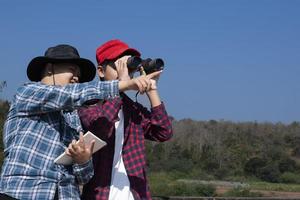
(149, 65)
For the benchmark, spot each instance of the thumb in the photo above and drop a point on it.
(92, 144)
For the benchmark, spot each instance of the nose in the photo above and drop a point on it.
(75, 79)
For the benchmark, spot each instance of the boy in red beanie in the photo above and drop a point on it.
(120, 167)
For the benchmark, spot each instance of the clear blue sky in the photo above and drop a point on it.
(233, 60)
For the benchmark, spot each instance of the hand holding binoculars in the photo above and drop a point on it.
(148, 65)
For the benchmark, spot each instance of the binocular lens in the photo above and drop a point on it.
(149, 65)
(133, 62)
(157, 63)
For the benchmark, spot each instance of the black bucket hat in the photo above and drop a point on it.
(61, 54)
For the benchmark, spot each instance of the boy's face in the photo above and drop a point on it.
(109, 71)
(66, 73)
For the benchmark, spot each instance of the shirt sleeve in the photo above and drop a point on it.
(37, 98)
(100, 118)
(157, 124)
(83, 172)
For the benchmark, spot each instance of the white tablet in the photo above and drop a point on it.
(64, 159)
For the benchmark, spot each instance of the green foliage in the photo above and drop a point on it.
(254, 164)
(269, 173)
(4, 106)
(213, 149)
(184, 189)
(221, 149)
(241, 192)
(270, 170)
(209, 159)
(287, 165)
(259, 185)
(166, 184)
(159, 183)
(296, 151)
(289, 177)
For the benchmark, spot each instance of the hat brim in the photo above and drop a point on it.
(132, 52)
(36, 66)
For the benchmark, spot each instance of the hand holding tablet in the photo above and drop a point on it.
(65, 159)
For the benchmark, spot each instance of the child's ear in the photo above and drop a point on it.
(48, 69)
(100, 71)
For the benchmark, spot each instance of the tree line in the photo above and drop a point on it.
(4, 106)
(227, 150)
(222, 150)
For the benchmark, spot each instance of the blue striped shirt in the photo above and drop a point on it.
(41, 123)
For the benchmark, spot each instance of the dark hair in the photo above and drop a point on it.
(111, 62)
(104, 66)
(43, 72)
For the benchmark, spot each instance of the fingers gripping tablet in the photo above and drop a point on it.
(64, 159)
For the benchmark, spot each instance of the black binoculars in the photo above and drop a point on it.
(149, 65)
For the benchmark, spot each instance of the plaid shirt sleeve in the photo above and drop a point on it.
(100, 116)
(83, 172)
(40, 98)
(156, 124)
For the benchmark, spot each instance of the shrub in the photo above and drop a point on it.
(188, 189)
(289, 177)
(286, 165)
(296, 151)
(269, 173)
(221, 173)
(205, 190)
(159, 183)
(241, 192)
(177, 188)
(253, 165)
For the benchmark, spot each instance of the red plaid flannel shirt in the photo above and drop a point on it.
(139, 124)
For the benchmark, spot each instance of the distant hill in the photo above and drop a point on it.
(224, 149)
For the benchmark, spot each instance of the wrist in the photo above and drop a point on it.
(154, 97)
(152, 92)
(124, 85)
(81, 161)
(82, 164)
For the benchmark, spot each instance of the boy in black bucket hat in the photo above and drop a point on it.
(61, 54)
(42, 122)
